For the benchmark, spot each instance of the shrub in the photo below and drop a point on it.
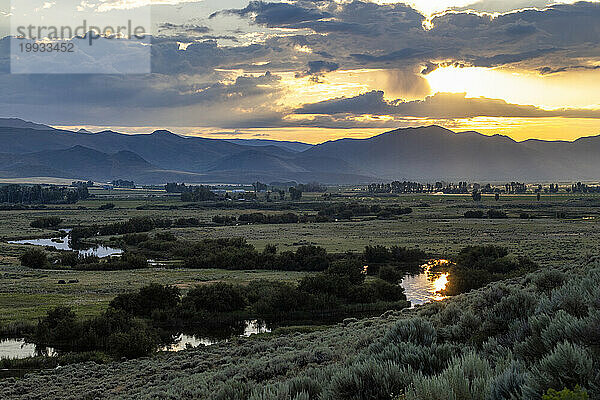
(390, 274)
(350, 268)
(566, 394)
(59, 326)
(46, 222)
(34, 258)
(370, 379)
(546, 281)
(137, 341)
(568, 365)
(474, 214)
(216, 297)
(147, 300)
(107, 206)
(496, 214)
(465, 379)
(417, 330)
(509, 383)
(165, 237)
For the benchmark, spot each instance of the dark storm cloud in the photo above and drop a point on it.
(316, 69)
(276, 14)
(439, 106)
(503, 59)
(321, 67)
(167, 26)
(550, 71)
(331, 27)
(363, 34)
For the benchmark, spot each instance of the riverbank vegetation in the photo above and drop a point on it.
(514, 339)
(136, 323)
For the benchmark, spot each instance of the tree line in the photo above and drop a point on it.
(38, 194)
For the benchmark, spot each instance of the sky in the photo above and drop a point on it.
(317, 70)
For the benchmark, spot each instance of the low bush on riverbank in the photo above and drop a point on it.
(46, 222)
(34, 258)
(476, 266)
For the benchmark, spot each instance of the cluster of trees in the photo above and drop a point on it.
(38, 194)
(82, 184)
(327, 294)
(315, 187)
(415, 187)
(125, 261)
(476, 266)
(46, 222)
(177, 188)
(198, 193)
(38, 259)
(224, 219)
(260, 218)
(130, 326)
(295, 194)
(351, 210)
(120, 183)
(238, 254)
(132, 225)
(515, 188)
(395, 255)
(115, 332)
(491, 213)
(583, 188)
(552, 189)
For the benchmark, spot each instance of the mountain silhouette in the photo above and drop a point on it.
(424, 154)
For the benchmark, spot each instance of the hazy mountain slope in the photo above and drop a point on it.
(19, 123)
(161, 148)
(293, 146)
(426, 153)
(253, 160)
(80, 162)
(433, 152)
(253, 165)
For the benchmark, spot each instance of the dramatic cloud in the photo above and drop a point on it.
(438, 106)
(276, 14)
(224, 76)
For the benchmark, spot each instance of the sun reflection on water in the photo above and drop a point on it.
(439, 280)
(439, 284)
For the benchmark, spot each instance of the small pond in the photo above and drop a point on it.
(63, 243)
(183, 340)
(425, 286)
(18, 348)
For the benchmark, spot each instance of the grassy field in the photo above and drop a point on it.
(436, 225)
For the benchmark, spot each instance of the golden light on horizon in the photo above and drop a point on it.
(565, 90)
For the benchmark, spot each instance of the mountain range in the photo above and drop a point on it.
(423, 154)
